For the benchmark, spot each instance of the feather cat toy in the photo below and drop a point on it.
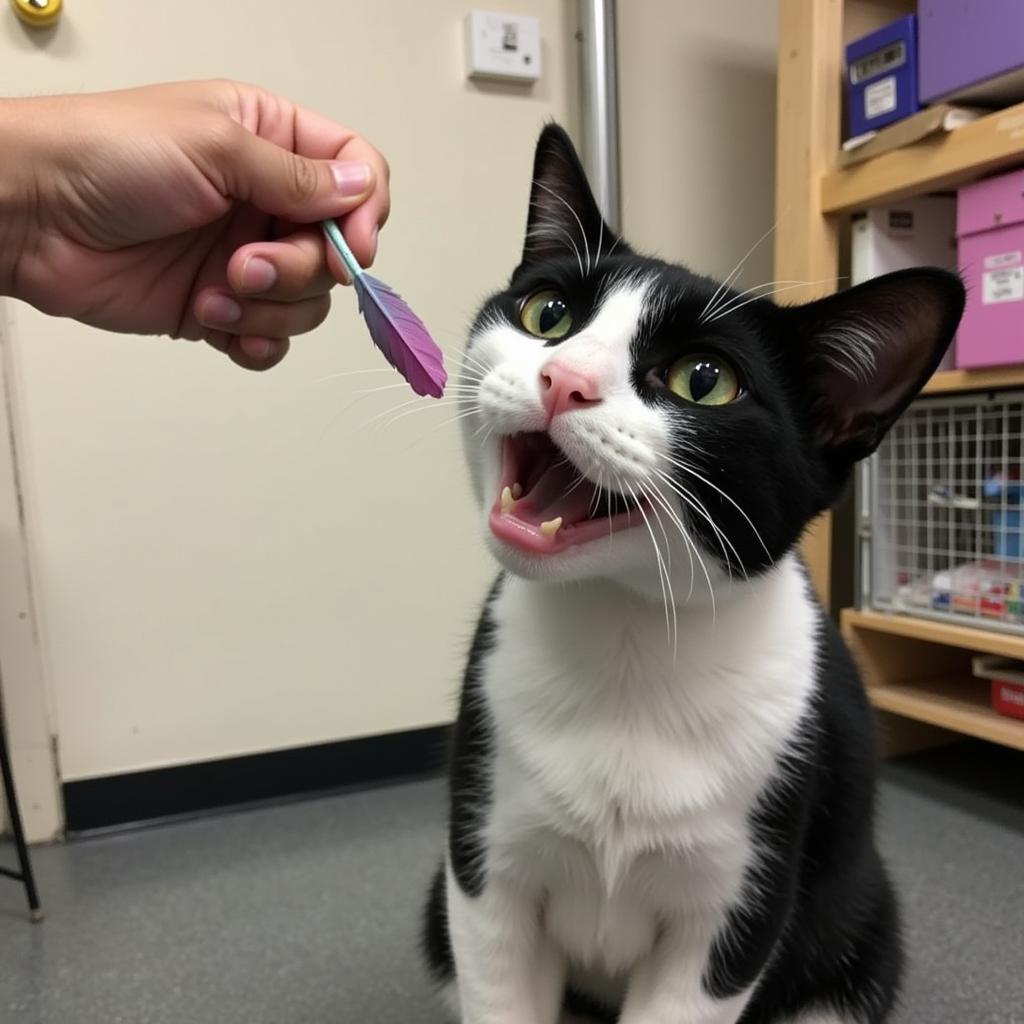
(395, 329)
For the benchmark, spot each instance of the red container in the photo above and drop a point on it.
(1007, 678)
(1008, 698)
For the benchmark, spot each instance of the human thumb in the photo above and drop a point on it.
(296, 187)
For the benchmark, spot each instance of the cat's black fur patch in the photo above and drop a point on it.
(437, 945)
(825, 919)
(468, 778)
(468, 796)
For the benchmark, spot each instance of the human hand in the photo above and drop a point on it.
(188, 209)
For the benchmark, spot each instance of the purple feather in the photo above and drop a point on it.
(402, 336)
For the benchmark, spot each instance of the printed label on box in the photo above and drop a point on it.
(1002, 286)
(901, 222)
(1011, 695)
(1003, 259)
(880, 97)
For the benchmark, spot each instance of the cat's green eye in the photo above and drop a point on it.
(703, 379)
(546, 314)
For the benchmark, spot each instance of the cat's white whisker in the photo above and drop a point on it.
(596, 497)
(729, 300)
(580, 479)
(387, 387)
(583, 232)
(733, 307)
(445, 423)
(411, 406)
(723, 541)
(645, 492)
(655, 492)
(663, 577)
(711, 588)
(661, 526)
(707, 575)
(608, 502)
(698, 506)
(686, 468)
(453, 393)
(724, 286)
(352, 373)
(548, 229)
(550, 232)
(470, 375)
(471, 362)
(471, 370)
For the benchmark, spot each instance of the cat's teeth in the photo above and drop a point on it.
(507, 500)
(517, 491)
(551, 527)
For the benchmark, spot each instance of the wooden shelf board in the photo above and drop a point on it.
(958, 704)
(943, 161)
(984, 641)
(975, 380)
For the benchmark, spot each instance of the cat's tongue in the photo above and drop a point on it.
(560, 492)
(544, 504)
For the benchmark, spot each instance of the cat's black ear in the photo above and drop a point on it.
(868, 351)
(564, 218)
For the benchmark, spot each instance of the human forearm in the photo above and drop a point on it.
(189, 209)
(16, 191)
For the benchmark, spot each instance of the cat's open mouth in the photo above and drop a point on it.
(544, 504)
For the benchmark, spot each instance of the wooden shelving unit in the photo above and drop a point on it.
(1001, 377)
(920, 670)
(957, 705)
(948, 634)
(917, 671)
(990, 144)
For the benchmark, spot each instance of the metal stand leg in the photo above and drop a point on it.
(14, 813)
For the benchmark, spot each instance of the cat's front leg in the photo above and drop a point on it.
(508, 970)
(667, 986)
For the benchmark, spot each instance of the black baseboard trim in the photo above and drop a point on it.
(138, 798)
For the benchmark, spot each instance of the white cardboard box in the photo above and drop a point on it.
(913, 233)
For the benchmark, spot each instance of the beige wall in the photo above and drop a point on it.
(225, 562)
(697, 99)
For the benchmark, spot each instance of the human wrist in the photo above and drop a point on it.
(17, 193)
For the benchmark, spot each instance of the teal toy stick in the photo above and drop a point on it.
(395, 329)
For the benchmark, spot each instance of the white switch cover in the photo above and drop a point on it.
(502, 46)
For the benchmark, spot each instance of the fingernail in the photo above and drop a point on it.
(373, 244)
(220, 311)
(256, 348)
(351, 177)
(258, 274)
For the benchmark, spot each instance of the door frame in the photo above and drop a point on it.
(28, 711)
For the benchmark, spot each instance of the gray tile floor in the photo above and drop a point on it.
(307, 913)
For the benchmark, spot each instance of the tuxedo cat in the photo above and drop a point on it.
(663, 776)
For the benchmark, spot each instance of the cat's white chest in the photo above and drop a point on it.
(624, 777)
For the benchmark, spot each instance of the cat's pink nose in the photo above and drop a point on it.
(564, 388)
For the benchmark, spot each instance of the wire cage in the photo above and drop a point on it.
(940, 508)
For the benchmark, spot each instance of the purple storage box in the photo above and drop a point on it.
(971, 51)
(990, 231)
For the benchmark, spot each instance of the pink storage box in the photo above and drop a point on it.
(990, 230)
